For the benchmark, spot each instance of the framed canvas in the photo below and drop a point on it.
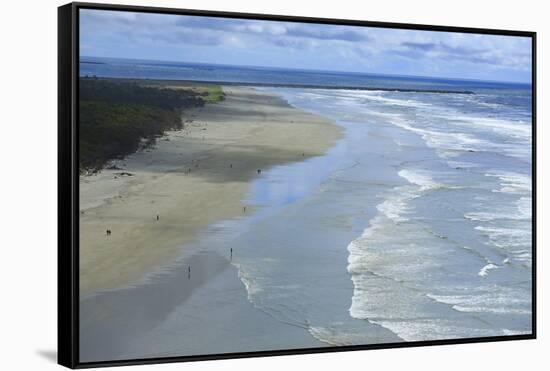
(241, 185)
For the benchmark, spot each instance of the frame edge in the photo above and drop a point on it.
(68, 325)
(301, 19)
(67, 344)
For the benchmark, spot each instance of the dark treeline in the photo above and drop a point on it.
(130, 92)
(117, 118)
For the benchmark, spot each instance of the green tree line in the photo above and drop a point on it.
(117, 118)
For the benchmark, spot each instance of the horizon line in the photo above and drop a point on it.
(319, 70)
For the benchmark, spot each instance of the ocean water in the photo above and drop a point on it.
(445, 183)
(166, 70)
(416, 225)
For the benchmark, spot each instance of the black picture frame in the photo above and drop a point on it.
(68, 186)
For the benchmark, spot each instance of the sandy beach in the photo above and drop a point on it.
(189, 179)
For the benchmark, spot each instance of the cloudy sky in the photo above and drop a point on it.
(301, 45)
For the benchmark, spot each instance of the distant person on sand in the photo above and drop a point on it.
(108, 232)
(244, 209)
(231, 254)
(157, 217)
(189, 272)
(259, 171)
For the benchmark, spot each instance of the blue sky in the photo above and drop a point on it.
(301, 45)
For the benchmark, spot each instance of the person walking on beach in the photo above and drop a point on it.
(189, 272)
(108, 232)
(157, 217)
(231, 256)
(244, 209)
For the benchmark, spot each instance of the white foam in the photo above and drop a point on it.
(512, 182)
(432, 329)
(508, 224)
(516, 242)
(520, 211)
(482, 309)
(451, 143)
(508, 332)
(421, 179)
(252, 287)
(514, 129)
(393, 209)
(502, 301)
(448, 144)
(380, 97)
(357, 248)
(360, 259)
(397, 203)
(485, 270)
(500, 231)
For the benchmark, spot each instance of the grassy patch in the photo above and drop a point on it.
(208, 93)
(214, 94)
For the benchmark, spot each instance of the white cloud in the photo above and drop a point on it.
(359, 48)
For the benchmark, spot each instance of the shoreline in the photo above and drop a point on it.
(154, 320)
(218, 152)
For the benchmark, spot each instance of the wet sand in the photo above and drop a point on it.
(179, 314)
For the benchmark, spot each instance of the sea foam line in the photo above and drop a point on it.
(391, 212)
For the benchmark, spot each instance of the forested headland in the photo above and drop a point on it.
(117, 118)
